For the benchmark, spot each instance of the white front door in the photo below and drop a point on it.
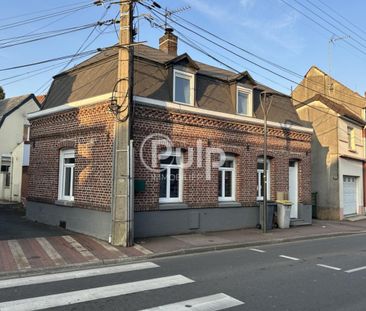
(293, 187)
(349, 195)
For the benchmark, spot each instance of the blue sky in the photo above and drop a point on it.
(268, 28)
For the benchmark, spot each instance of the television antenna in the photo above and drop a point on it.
(333, 39)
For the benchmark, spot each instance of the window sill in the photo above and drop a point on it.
(65, 203)
(352, 150)
(172, 206)
(229, 204)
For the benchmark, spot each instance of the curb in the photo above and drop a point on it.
(180, 252)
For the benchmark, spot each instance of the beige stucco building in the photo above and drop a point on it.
(14, 146)
(338, 146)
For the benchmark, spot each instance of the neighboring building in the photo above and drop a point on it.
(14, 145)
(72, 147)
(338, 148)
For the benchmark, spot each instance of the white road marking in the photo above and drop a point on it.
(47, 278)
(110, 248)
(209, 303)
(329, 267)
(356, 269)
(288, 257)
(142, 249)
(18, 255)
(69, 298)
(257, 250)
(80, 249)
(51, 252)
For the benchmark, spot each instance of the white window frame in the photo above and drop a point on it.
(249, 92)
(168, 167)
(223, 171)
(259, 184)
(66, 154)
(191, 78)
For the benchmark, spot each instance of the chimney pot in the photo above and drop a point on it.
(168, 43)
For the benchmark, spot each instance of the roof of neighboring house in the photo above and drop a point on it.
(98, 75)
(41, 98)
(9, 105)
(338, 108)
(325, 74)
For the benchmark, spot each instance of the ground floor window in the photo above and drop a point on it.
(5, 168)
(260, 179)
(226, 186)
(66, 176)
(171, 177)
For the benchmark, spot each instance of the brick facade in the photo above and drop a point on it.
(245, 141)
(90, 131)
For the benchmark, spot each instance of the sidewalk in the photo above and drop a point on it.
(191, 243)
(67, 249)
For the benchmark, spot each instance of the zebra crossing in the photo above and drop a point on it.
(211, 302)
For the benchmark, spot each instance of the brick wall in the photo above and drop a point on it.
(90, 131)
(245, 141)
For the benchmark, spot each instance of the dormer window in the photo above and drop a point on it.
(244, 102)
(183, 88)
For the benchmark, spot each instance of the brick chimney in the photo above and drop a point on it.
(169, 42)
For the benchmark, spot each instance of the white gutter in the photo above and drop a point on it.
(222, 115)
(168, 105)
(70, 106)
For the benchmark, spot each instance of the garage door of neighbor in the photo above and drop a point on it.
(349, 195)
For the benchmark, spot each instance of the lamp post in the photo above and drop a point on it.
(266, 99)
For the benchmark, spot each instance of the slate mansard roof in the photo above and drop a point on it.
(98, 75)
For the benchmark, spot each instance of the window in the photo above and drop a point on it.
(364, 114)
(183, 87)
(66, 178)
(351, 138)
(244, 104)
(226, 186)
(260, 179)
(5, 168)
(171, 177)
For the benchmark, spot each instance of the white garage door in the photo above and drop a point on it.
(349, 195)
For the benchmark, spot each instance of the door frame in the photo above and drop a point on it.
(295, 205)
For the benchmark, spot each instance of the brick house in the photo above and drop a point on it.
(196, 107)
(338, 117)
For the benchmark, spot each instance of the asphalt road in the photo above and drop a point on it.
(326, 274)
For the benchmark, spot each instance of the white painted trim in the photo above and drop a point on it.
(233, 179)
(70, 106)
(184, 108)
(249, 92)
(66, 154)
(168, 167)
(189, 76)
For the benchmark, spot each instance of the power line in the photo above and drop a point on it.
(53, 34)
(40, 11)
(240, 56)
(336, 20)
(341, 16)
(321, 25)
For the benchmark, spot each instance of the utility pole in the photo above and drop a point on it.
(122, 206)
(266, 102)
